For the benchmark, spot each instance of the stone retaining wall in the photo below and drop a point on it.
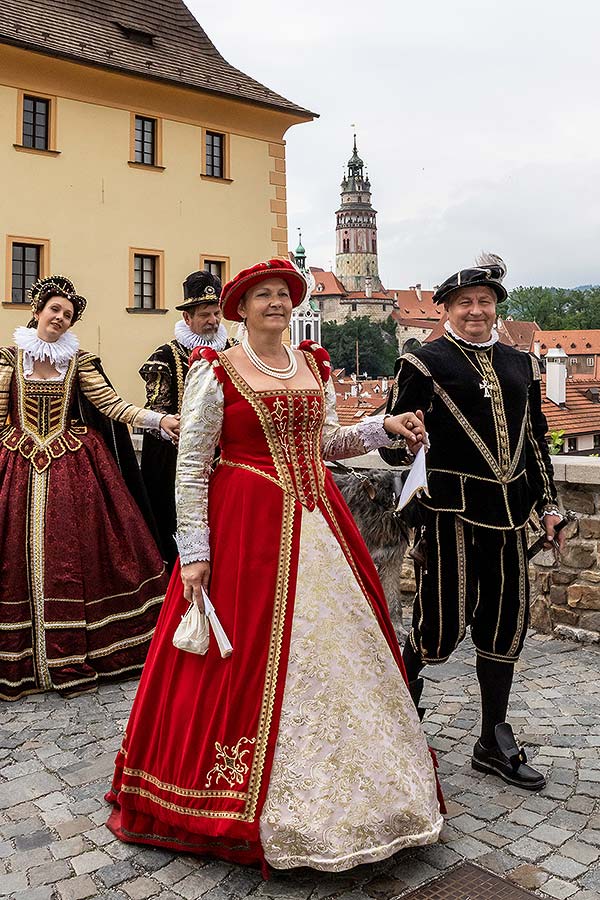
(566, 599)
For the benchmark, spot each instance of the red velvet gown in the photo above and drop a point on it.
(81, 579)
(194, 769)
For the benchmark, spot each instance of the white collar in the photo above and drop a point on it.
(494, 338)
(59, 352)
(191, 340)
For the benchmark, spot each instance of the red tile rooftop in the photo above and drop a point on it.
(580, 415)
(572, 342)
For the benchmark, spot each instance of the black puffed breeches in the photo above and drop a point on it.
(475, 577)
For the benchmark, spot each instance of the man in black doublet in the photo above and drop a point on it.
(488, 469)
(164, 373)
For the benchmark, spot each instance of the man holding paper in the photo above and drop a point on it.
(488, 469)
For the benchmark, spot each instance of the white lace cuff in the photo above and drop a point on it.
(373, 435)
(193, 545)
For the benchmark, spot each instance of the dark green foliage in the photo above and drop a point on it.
(377, 345)
(554, 308)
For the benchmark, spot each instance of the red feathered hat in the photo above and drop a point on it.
(235, 289)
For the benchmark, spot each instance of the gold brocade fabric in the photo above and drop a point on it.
(352, 779)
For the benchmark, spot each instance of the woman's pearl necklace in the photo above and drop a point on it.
(289, 371)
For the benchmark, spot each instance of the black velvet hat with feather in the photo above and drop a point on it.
(489, 270)
(200, 287)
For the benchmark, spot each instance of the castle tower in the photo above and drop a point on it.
(356, 231)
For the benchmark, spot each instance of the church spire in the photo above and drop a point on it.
(300, 253)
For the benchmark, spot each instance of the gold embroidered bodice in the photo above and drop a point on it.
(37, 417)
(282, 436)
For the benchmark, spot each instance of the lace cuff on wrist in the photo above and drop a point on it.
(373, 435)
(193, 545)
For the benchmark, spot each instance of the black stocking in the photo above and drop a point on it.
(495, 681)
(412, 661)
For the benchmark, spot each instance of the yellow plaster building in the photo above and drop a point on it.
(131, 153)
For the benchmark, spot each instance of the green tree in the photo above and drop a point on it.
(377, 347)
(554, 308)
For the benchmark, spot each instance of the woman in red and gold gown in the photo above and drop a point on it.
(81, 578)
(303, 748)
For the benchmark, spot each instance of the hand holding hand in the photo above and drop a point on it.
(195, 576)
(170, 425)
(410, 426)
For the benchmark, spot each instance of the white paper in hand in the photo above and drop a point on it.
(223, 641)
(416, 483)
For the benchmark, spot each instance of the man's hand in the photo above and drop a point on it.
(549, 522)
(195, 576)
(170, 425)
(410, 426)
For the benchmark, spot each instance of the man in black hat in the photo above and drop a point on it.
(488, 469)
(165, 373)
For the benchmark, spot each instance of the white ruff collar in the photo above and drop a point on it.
(59, 352)
(191, 340)
(494, 338)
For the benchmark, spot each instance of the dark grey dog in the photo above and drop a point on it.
(372, 495)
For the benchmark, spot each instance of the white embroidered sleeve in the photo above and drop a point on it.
(201, 421)
(344, 441)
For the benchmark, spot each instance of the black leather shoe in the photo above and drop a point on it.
(416, 689)
(507, 761)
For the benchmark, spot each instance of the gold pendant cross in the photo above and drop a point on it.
(485, 387)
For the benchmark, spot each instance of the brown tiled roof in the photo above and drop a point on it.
(158, 39)
(331, 284)
(354, 409)
(413, 305)
(574, 342)
(517, 334)
(580, 414)
(438, 330)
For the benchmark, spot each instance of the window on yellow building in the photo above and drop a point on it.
(36, 122)
(27, 261)
(216, 265)
(145, 141)
(215, 154)
(144, 281)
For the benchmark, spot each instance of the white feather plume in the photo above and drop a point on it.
(491, 259)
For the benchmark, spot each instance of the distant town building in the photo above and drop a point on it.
(582, 348)
(305, 324)
(357, 398)
(132, 153)
(571, 404)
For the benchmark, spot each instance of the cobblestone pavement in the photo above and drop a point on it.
(56, 759)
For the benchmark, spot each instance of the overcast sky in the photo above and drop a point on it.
(479, 122)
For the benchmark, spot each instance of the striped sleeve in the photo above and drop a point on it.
(100, 392)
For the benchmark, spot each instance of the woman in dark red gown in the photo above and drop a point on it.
(303, 748)
(81, 578)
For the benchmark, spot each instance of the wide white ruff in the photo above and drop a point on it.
(191, 340)
(59, 352)
(493, 340)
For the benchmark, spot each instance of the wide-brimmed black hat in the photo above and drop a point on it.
(489, 270)
(56, 286)
(200, 287)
